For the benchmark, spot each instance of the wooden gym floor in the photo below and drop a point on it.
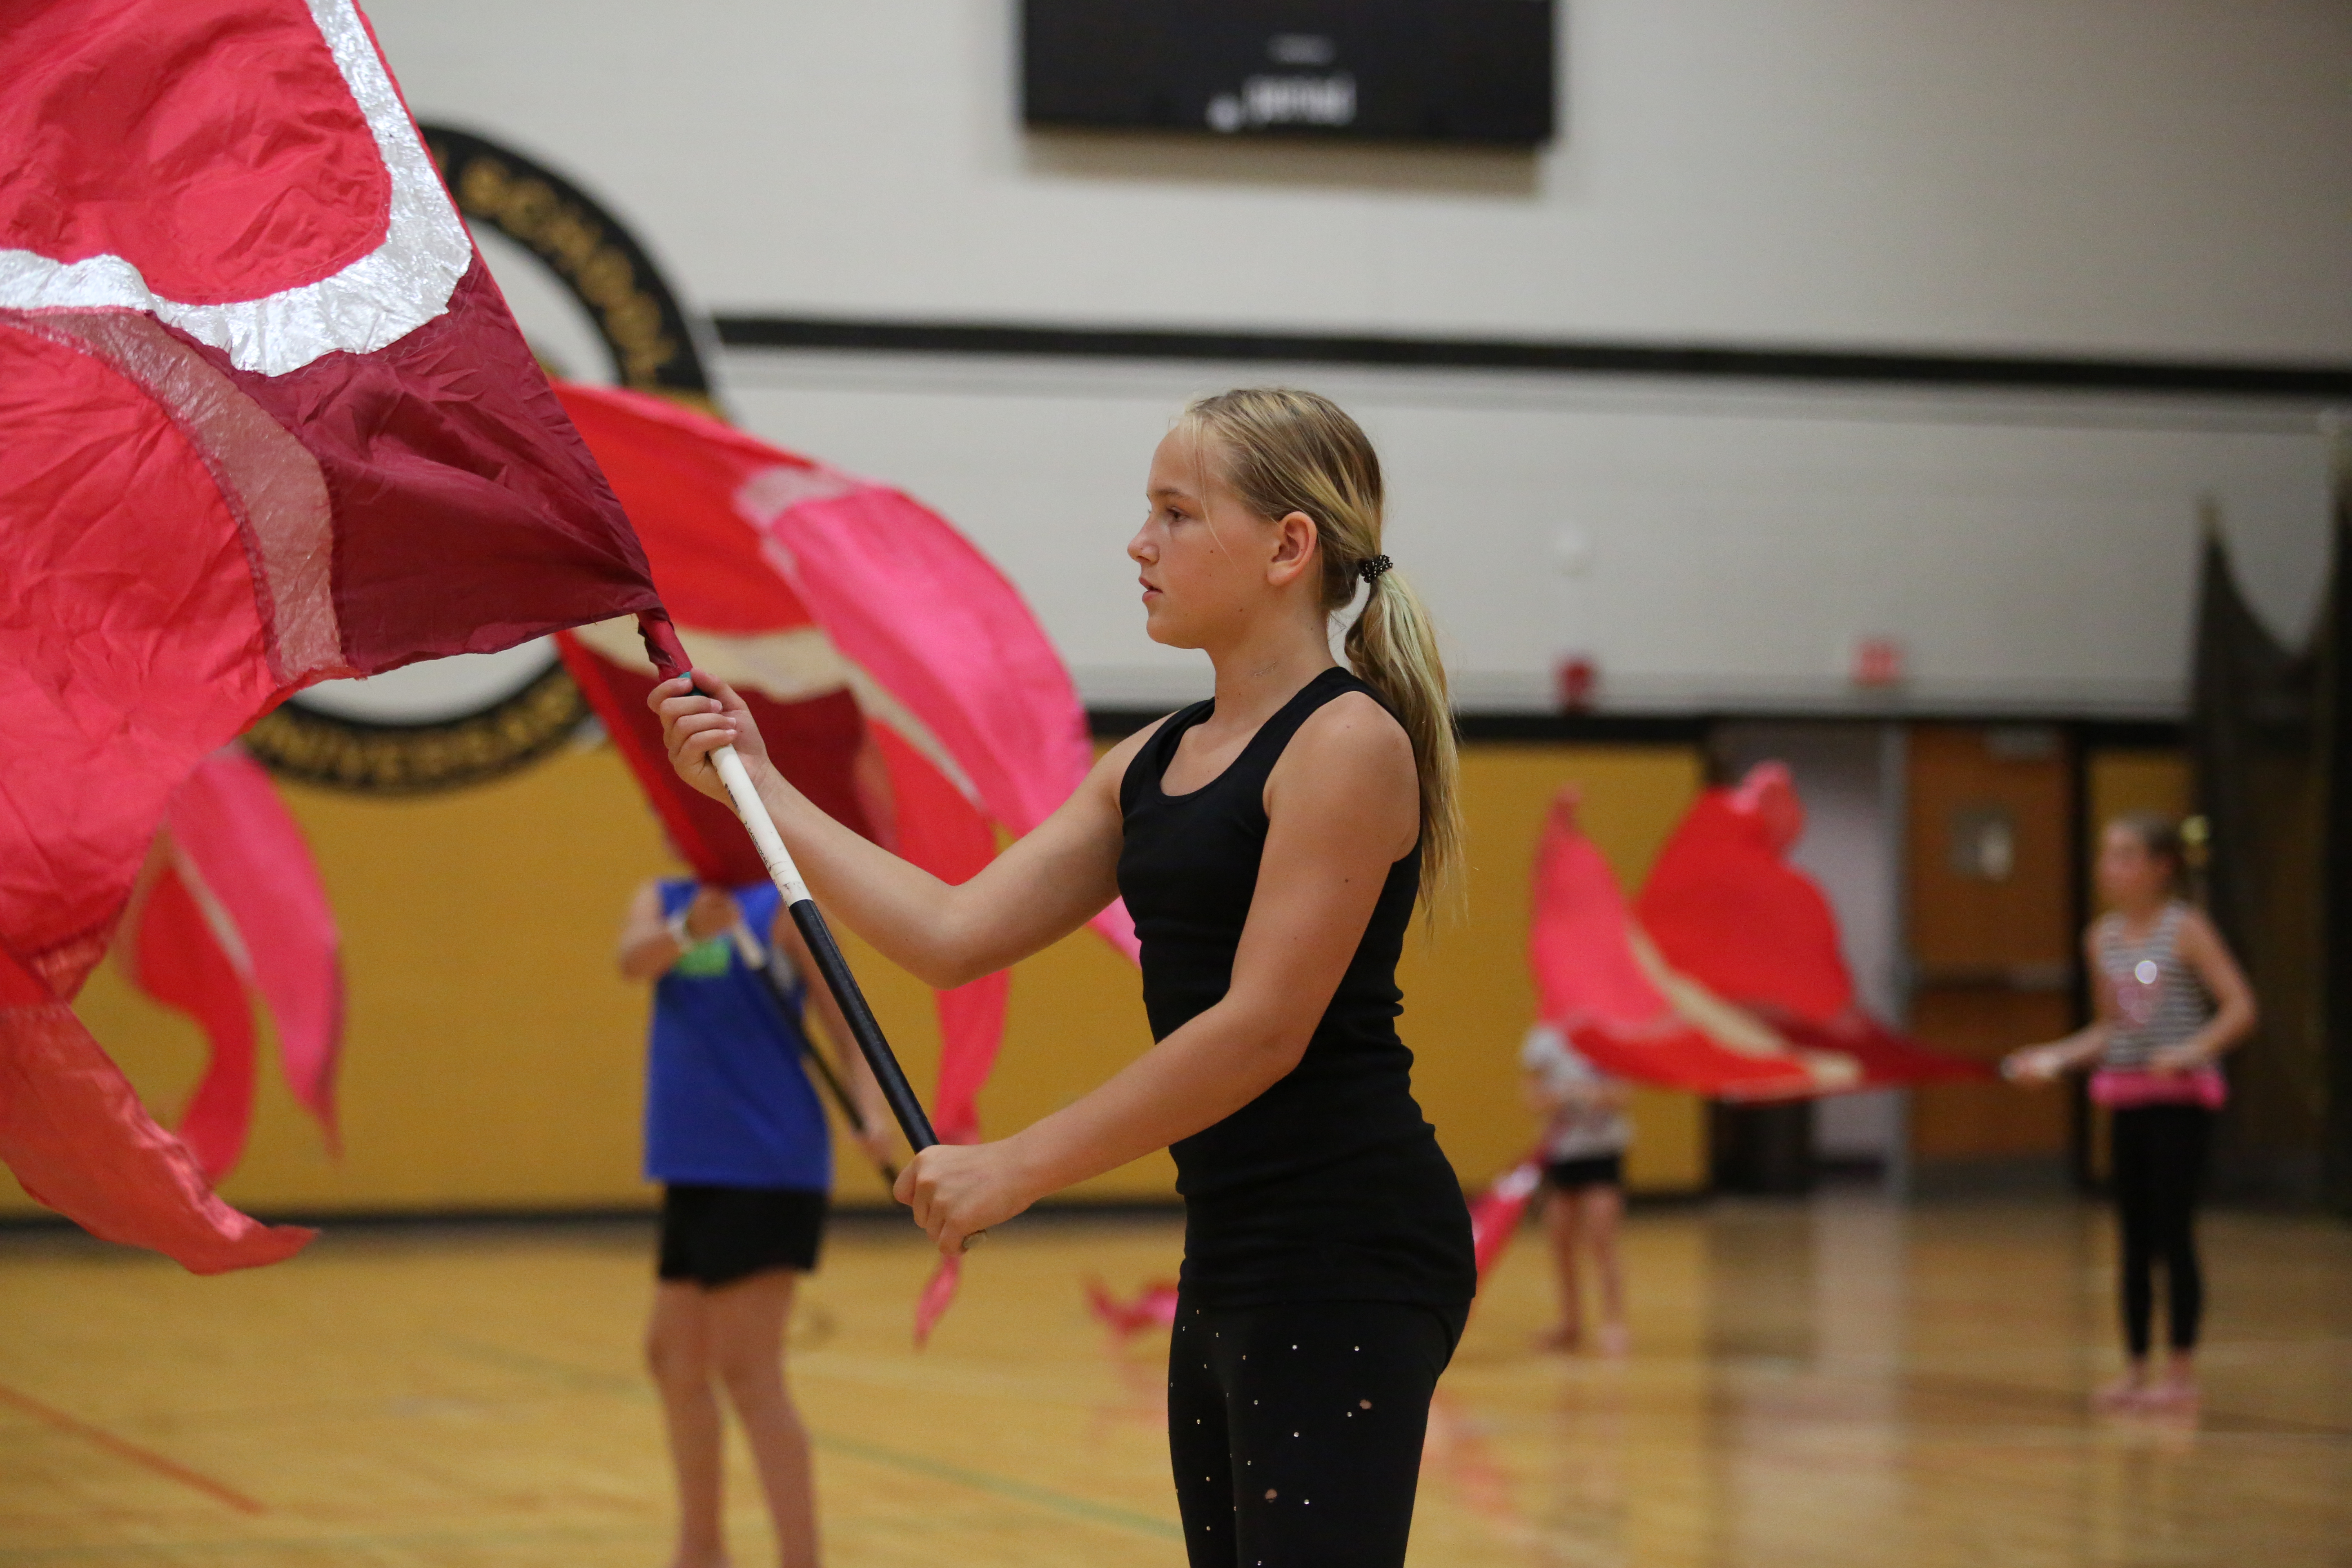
(1842, 1382)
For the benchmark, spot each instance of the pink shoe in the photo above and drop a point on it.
(1615, 1342)
(2125, 1393)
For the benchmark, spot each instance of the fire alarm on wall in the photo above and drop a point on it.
(1576, 681)
(1875, 662)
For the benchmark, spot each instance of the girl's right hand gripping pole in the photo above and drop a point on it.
(669, 660)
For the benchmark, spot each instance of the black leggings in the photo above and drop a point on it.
(1294, 1430)
(2159, 1159)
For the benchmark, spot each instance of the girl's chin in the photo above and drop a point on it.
(1163, 630)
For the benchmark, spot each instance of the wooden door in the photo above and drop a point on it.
(1989, 916)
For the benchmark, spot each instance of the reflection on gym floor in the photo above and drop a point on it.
(1836, 1381)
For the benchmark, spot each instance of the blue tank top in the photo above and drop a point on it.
(727, 1102)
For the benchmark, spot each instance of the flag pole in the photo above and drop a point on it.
(760, 959)
(863, 1028)
(668, 655)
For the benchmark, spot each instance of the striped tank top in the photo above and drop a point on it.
(2159, 1001)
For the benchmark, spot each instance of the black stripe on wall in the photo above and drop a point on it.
(2309, 382)
(1587, 729)
(1695, 728)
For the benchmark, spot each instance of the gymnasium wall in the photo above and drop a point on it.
(2158, 177)
(1711, 549)
(494, 1058)
(2080, 177)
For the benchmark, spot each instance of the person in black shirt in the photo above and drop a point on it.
(1271, 844)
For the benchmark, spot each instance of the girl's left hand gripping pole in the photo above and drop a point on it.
(670, 662)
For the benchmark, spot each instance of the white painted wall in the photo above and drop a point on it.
(2135, 177)
(2033, 555)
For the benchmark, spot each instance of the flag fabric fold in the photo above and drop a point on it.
(231, 913)
(1728, 909)
(1726, 978)
(896, 675)
(1598, 980)
(1154, 1307)
(74, 1132)
(264, 420)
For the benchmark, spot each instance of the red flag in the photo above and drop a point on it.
(1728, 909)
(1154, 1307)
(264, 420)
(1598, 980)
(897, 676)
(77, 1139)
(1495, 1213)
(233, 912)
(229, 827)
(179, 957)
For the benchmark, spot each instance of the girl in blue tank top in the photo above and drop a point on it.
(1271, 845)
(736, 1135)
(727, 1103)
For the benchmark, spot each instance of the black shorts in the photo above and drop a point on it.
(1586, 1170)
(716, 1235)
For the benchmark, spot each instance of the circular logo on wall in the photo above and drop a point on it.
(595, 307)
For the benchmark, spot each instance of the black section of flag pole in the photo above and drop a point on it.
(824, 1069)
(895, 1090)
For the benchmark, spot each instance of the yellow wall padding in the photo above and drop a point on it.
(494, 1059)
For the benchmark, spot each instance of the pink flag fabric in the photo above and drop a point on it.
(939, 1294)
(229, 826)
(1495, 1213)
(1728, 909)
(181, 960)
(949, 714)
(1591, 981)
(1154, 1307)
(1726, 978)
(936, 644)
(61, 1099)
(1725, 909)
(264, 420)
(233, 912)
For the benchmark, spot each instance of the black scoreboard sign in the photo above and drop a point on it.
(1421, 71)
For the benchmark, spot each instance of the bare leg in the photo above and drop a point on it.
(747, 1349)
(1560, 1230)
(677, 1353)
(1602, 1207)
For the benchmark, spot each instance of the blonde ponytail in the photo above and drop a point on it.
(1283, 451)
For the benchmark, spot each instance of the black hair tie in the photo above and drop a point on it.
(1370, 571)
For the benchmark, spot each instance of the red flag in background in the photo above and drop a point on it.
(264, 420)
(1728, 909)
(1726, 976)
(1598, 980)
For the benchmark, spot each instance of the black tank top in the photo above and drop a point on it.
(1329, 1185)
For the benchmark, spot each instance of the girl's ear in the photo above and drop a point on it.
(1295, 547)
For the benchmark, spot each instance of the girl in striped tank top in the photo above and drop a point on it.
(2170, 999)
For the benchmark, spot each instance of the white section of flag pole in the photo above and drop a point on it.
(763, 829)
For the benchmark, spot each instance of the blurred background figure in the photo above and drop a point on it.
(2170, 999)
(736, 1135)
(1586, 1135)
